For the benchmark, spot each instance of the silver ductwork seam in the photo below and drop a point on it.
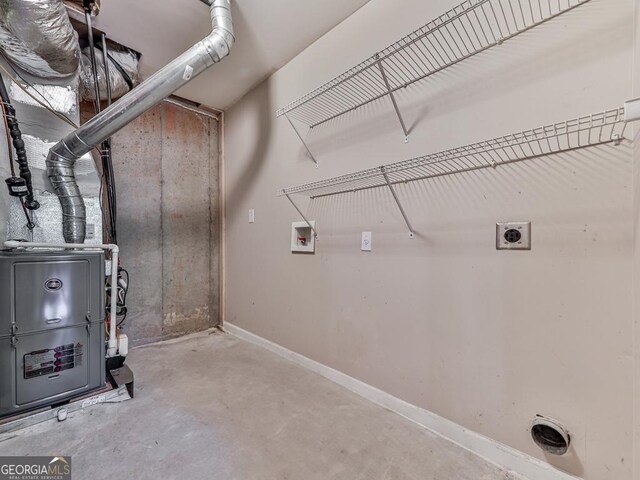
(62, 157)
(37, 36)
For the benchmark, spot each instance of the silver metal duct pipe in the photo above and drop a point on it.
(37, 36)
(63, 155)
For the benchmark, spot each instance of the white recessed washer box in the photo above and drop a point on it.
(303, 239)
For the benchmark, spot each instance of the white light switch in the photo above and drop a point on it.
(252, 216)
(366, 241)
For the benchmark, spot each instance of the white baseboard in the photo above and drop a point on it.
(510, 459)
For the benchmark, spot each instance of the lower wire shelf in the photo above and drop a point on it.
(582, 132)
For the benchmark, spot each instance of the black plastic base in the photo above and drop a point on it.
(121, 375)
(115, 362)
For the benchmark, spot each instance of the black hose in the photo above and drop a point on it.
(107, 168)
(18, 144)
(107, 161)
(105, 61)
(92, 56)
(105, 147)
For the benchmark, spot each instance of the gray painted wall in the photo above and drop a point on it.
(484, 338)
(166, 166)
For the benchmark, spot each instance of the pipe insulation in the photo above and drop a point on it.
(37, 36)
(119, 73)
(63, 155)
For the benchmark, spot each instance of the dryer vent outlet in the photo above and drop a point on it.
(550, 436)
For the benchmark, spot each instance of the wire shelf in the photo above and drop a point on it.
(582, 132)
(466, 30)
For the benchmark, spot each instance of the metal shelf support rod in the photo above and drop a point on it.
(315, 234)
(302, 140)
(393, 98)
(395, 197)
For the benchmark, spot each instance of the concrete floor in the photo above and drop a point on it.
(214, 407)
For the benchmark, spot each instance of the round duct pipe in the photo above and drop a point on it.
(550, 435)
(63, 155)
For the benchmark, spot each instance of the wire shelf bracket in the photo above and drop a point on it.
(393, 99)
(593, 130)
(397, 200)
(315, 234)
(468, 29)
(303, 142)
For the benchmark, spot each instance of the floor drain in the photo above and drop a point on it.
(550, 436)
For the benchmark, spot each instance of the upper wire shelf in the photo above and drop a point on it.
(470, 28)
(587, 131)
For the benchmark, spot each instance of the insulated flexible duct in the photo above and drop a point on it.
(37, 36)
(123, 74)
(63, 155)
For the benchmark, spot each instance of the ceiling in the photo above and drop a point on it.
(268, 33)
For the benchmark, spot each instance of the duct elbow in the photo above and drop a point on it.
(62, 157)
(222, 37)
(61, 173)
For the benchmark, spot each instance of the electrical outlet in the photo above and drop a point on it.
(513, 236)
(252, 216)
(366, 241)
